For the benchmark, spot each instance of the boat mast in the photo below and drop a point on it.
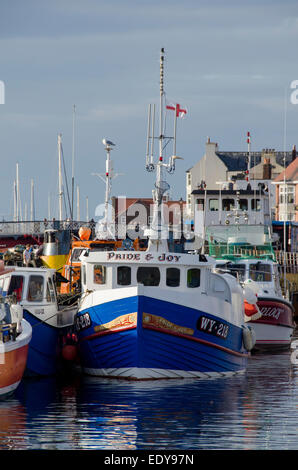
(158, 232)
(73, 159)
(105, 230)
(32, 208)
(60, 176)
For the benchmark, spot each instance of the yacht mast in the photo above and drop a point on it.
(60, 176)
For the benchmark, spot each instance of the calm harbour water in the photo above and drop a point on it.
(255, 411)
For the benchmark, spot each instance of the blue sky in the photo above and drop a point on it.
(230, 63)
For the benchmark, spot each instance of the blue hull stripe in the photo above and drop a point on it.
(174, 342)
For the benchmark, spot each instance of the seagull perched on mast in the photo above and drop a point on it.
(107, 143)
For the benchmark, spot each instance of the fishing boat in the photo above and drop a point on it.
(158, 314)
(245, 249)
(15, 336)
(51, 322)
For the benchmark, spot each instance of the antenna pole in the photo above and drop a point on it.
(248, 162)
(60, 177)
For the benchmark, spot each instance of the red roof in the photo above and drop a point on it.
(290, 173)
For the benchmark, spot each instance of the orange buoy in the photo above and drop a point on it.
(84, 233)
(249, 309)
(69, 352)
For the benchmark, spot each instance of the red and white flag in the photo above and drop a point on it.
(180, 111)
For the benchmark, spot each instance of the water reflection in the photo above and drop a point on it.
(255, 411)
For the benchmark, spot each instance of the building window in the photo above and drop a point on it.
(35, 289)
(193, 277)
(173, 277)
(148, 276)
(287, 194)
(99, 274)
(123, 275)
(228, 204)
(213, 204)
(189, 179)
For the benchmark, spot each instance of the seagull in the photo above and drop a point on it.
(107, 142)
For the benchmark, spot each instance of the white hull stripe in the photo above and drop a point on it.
(137, 373)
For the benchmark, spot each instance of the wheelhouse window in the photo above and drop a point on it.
(99, 274)
(123, 275)
(173, 277)
(255, 205)
(76, 253)
(35, 288)
(213, 204)
(227, 204)
(16, 287)
(237, 270)
(260, 272)
(50, 291)
(193, 277)
(148, 276)
(243, 203)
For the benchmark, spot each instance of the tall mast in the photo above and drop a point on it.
(32, 208)
(78, 203)
(17, 193)
(14, 201)
(60, 176)
(73, 159)
(249, 157)
(158, 232)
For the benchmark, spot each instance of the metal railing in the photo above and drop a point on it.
(38, 227)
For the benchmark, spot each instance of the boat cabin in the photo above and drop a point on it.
(187, 273)
(264, 273)
(35, 290)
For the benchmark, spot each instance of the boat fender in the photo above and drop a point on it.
(248, 337)
(17, 316)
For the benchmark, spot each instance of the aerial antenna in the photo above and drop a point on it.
(158, 233)
(104, 229)
(249, 157)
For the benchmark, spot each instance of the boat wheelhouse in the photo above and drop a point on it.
(35, 291)
(246, 251)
